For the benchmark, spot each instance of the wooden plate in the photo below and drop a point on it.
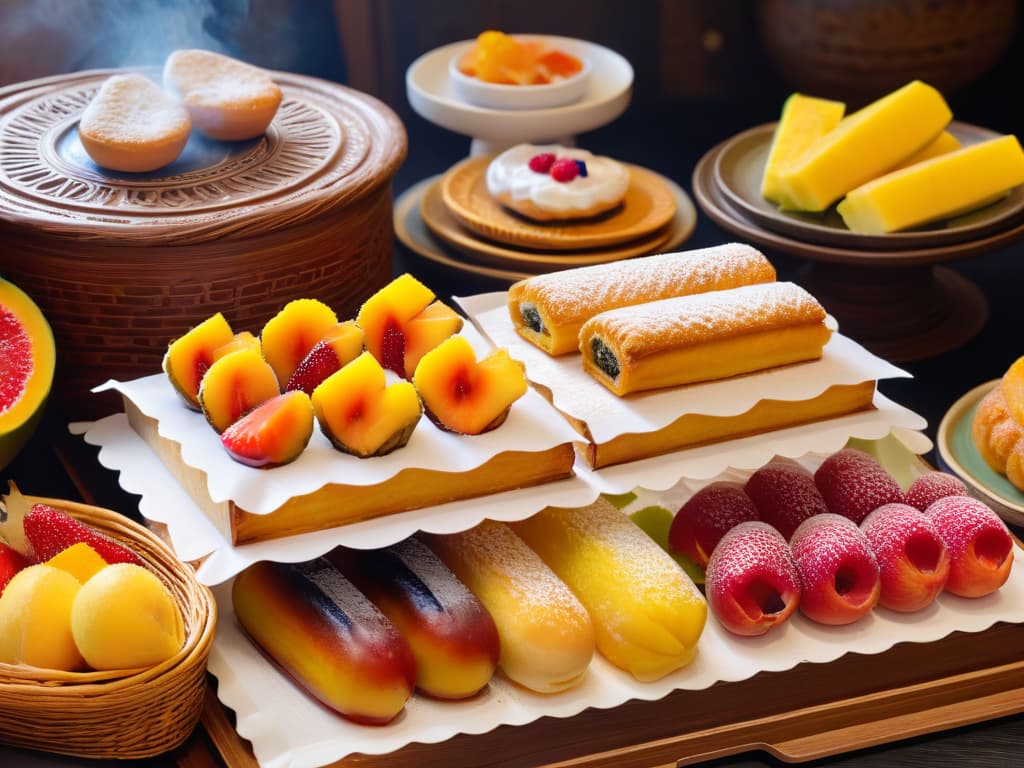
(647, 207)
(957, 452)
(445, 227)
(739, 166)
(414, 235)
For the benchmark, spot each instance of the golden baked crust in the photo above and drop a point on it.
(703, 337)
(998, 436)
(563, 301)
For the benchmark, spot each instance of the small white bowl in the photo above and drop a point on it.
(560, 93)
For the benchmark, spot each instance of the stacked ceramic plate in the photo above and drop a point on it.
(452, 220)
(882, 288)
(727, 183)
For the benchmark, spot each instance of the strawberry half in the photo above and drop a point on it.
(11, 561)
(51, 531)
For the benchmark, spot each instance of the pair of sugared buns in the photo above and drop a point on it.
(134, 125)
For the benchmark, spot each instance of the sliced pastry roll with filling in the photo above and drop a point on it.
(704, 337)
(549, 310)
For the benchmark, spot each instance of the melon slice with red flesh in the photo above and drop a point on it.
(190, 356)
(464, 395)
(290, 334)
(402, 322)
(340, 346)
(234, 385)
(360, 414)
(27, 359)
(273, 433)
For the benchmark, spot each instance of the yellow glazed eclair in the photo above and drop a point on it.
(548, 310)
(647, 614)
(704, 337)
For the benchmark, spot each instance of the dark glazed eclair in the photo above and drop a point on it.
(328, 636)
(451, 634)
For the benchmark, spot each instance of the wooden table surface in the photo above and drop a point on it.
(669, 141)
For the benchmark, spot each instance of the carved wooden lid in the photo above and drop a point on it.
(327, 146)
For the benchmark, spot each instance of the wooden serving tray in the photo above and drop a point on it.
(806, 713)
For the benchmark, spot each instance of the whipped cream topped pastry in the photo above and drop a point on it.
(547, 182)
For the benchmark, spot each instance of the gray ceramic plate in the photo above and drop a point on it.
(740, 165)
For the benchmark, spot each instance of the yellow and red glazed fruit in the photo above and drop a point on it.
(189, 357)
(273, 433)
(26, 368)
(340, 346)
(466, 396)
(499, 58)
(428, 329)
(360, 414)
(328, 636)
(402, 324)
(290, 334)
(450, 633)
(241, 340)
(234, 385)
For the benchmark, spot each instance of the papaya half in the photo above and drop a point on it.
(27, 359)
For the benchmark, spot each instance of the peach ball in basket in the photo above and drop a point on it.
(115, 714)
(501, 71)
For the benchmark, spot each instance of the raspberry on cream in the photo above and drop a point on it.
(540, 191)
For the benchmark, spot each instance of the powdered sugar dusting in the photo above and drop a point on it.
(626, 558)
(572, 296)
(890, 526)
(749, 551)
(706, 317)
(824, 542)
(959, 520)
(930, 487)
(438, 578)
(492, 551)
(130, 109)
(714, 510)
(854, 484)
(785, 495)
(341, 591)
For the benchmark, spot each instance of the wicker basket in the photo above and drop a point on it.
(116, 714)
(121, 264)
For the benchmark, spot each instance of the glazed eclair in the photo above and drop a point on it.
(703, 337)
(549, 310)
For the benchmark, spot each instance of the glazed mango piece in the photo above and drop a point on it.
(360, 414)
(464, 395)
(944, 143)
(402, 322)
(188, 357)
(290, 334)
(241, 340)
(936, 189)
(234, 385)
(804, 120)
(339, 346)
(273, 433)
(428, 329)
(864, 145)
